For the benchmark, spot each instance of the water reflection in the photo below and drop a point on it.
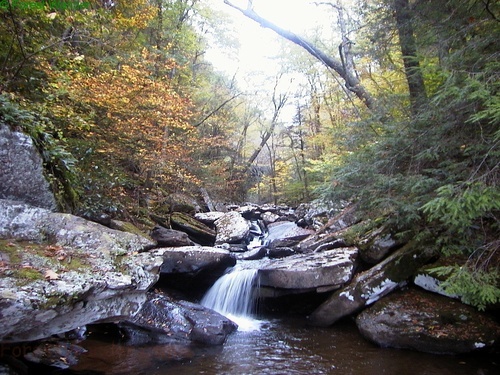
(284, 347)
(289, 348)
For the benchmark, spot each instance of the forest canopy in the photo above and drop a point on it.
(398, 112)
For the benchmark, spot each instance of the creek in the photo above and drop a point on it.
(273, 344)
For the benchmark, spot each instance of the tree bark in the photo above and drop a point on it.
(407, 43)
(351, 81)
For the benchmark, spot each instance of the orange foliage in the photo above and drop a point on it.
(144, 114)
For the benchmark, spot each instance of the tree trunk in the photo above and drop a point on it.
(413, 73)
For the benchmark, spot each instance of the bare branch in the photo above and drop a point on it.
(351, 81)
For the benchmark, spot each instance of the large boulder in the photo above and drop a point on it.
(21, 171)
(60, 272)
(165, 237)
(427, 322)
(232, 228)
(369, 286)
(285, 233)
(163, 320)
(322, 271)
(197, 231)
(193, 259)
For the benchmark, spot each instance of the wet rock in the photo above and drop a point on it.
(59, 354)
(21, 168)
(280, 252)
(320, 271)
(232, 228)
(197, 231)
(253, 254)
(427, 322)
(193, 259)
(369, 286)
(164, 320)
(65, 272)
(170, 237)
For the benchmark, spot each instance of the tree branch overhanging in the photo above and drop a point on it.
(350, 80)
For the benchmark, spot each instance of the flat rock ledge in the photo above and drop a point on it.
(60, 272)
(321, 271)
(427, 322)
(192, 259)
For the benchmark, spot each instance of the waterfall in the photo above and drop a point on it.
(233, 296)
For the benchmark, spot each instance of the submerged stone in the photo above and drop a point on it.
(164, 320)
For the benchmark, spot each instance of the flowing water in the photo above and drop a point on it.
(233, 296)
(271, 346)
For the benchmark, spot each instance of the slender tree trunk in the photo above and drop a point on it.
(413, 72)
(279, 103)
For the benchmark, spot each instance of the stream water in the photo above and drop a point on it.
(270, 345)
(282, 346)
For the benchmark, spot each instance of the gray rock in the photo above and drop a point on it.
(280, 252)
(269, 217)
(163, 320)
(253, 254)
(192, 259)
(430, 281)
(369, 286)
(286, 233)
(76, 272)
(232, 228)
(208, 217)
(170, 237)
(330, 269)
(320, 242)
(21, 171)
(376, 245)
(427, 322)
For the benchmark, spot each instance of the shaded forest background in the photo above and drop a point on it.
(399, 113)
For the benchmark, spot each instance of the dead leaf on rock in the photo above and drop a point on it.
(51, 275)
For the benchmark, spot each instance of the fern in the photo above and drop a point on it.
(475, 287)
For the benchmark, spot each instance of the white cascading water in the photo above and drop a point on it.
(233, 296)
